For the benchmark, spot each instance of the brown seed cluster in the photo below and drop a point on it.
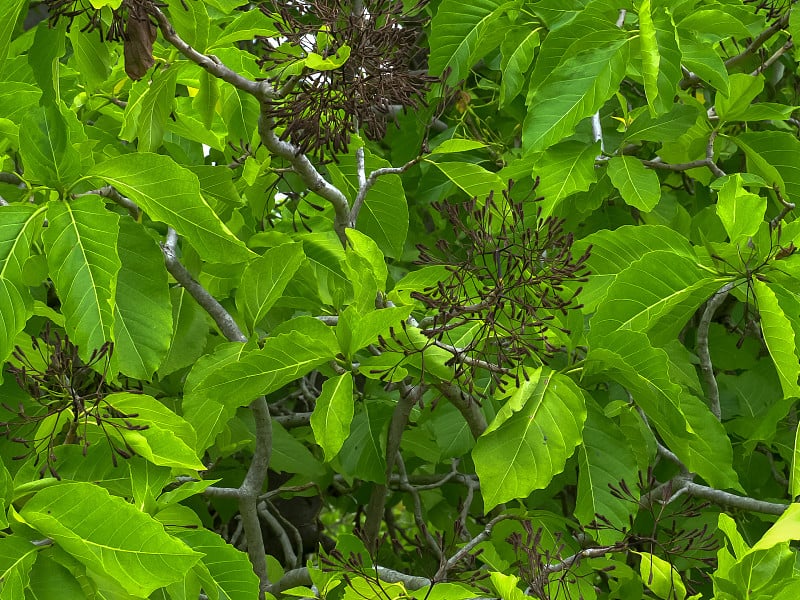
(321, 109)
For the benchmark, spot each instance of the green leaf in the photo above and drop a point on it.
(779, 337)
(81, 246)
(773, 155)
(333, 414)
(474, 180)
(384, 214)
(743, 90)
(506, 586)
(365, 247)
(530, 439)
(317, 63)
(455, 32)
(576, 90)
(191, 22)
(91, 55)
(458, 145)
(666, 127)
(614, 251)
(656, 294)
(47, 153)
(355, 331)
(188, 332)
(661, 577)
(638, 185)
(264, 280)
(7, 24)
(142, 310)
(157, 105)
(229, 568)
(109, 536)
(740, 211)
(362, 454)
(17, 556)
(247, 26)
(702, 59)
(600, 469)
(170, 193)
(564, 169)
(221, 390)
(785, 529)
(168, 440)
(516, 65)
(661, 58)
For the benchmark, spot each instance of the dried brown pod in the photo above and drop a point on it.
(140, 35)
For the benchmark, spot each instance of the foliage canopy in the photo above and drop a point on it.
(451, 300)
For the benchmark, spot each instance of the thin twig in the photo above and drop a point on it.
(462, 552)
(787, 208)
(365, 185)
(776, 55)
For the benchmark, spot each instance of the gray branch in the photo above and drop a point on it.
(110, 192)
(366, 183)
(706, 368)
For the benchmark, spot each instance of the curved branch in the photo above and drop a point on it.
(706, 368)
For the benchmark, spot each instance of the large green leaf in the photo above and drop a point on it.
(743, 90)
(229, 568)
(384, 214)
(189, 329)
(355, 330)
(142, 309)
(157, 105)
(109, 536)
(247, 26)
(17, 556)
(222, 389)
(575, 90)
(564, 169)
(656, 294)
(638, 185)
(740, 211)
(599, 469)
(779, 336)
(614, 251)
(362, 454)
(81, 246)
(7, 24)
(91, 55)
(649, 375)
(474, 180)
(773, 155)
(47, 152)
(666, 127)
(333, 414)
(661, 58)
(530, 439)
(517, 59)
(702, 59)
(170, 193)
(456, 30)
(264, 280)
(166, 439)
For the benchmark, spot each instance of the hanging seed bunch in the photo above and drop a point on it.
(323, 108)
(67, 396)
(507, 276)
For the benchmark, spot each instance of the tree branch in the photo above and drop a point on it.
(409, 396)
(468, 406)
(110, 192)
(365, 184)
(706, 368)
(262, 90)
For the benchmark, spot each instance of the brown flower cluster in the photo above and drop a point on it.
(67, 395)
(507, 282)
(321, 109)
